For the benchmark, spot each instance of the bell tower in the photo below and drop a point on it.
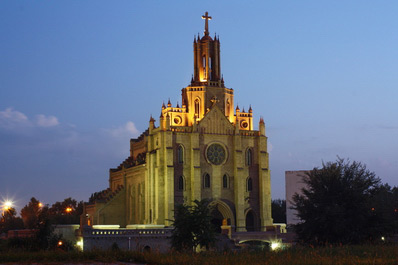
(206, 57)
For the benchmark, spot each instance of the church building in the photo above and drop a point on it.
(204, 148)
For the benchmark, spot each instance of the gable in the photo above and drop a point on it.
(215, 122)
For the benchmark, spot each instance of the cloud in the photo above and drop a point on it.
(46, 121)
(10, 119)
(127, 130)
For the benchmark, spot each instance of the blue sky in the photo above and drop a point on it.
(78, 79)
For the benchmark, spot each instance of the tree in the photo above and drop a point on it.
(278, 208)
(66, 212)
(384, 208)
(335, 206)
(9, 221)
(32, 213)
(192, 226)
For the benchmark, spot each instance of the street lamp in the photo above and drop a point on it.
(7, 205)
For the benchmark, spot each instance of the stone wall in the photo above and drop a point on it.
(127, 239)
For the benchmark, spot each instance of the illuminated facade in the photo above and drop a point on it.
(204, 148)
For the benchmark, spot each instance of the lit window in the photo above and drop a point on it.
(197, 107)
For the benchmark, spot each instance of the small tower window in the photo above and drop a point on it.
(210, 67)
(227, 108)
(181, 183)
(197, 107)
(204, 67)
(249, 157)
(225, 181)
(206, 181)
(180, 154)
(249, 184)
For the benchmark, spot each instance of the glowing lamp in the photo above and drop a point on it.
(7, 205)
(68, 209)
(275, 245)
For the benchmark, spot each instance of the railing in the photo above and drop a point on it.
(163, 232)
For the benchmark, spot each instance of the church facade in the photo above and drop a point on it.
(204, 148)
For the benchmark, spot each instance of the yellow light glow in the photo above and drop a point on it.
(79, 244)
(40, 204)
(68, 209)
(275, 245)
(60, 243)
(7, 205)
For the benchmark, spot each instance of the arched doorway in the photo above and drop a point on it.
(221, 211)
(216, 220)
(250, 223)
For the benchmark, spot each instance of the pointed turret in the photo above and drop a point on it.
(167, 121)
(261, 126)
(169, 104)
(163, 106)
(151, 124)
(250, 109)
(161, 121)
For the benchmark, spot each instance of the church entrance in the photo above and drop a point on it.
(250, 226)
(221, 211)
(217, 220)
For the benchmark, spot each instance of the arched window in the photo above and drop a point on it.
(204, 67)
(181, 183)
(225, 181)
(227, 108)
(249, 157)
(249, 184)
(206, 181)
(210, 68)
(180, 154)
(197, 107)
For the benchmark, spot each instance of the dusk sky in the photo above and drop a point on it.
(78, 79)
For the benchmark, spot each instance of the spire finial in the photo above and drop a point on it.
(207, 18)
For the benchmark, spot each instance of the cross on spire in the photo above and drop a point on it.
(214, 100)
(207, 17)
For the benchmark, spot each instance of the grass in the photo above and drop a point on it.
(367, 254)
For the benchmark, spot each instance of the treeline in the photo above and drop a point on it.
(345, 203)
(35, 213)
(40, 219)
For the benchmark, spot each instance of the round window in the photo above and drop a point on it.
(216, 154)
